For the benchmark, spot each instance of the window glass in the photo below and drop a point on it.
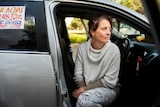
(123, 30)
(158, 3)
(78, 32)
(25, 30)
(30, 24)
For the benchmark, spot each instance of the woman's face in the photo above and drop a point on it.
(103, 32)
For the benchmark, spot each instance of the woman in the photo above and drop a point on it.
(97, 66)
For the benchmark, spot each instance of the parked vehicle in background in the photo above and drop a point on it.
(36, 67)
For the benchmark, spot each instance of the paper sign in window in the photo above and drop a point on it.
(12, 17)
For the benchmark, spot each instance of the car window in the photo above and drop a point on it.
(158, 3)
(78, 32)
(123, 30)
(20, 26)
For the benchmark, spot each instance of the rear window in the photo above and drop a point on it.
(23, 26)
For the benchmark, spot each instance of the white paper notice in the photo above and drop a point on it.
(12, 17)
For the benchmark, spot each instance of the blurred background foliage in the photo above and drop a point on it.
(132, 4)
(76, 24)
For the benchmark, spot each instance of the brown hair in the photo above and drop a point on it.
(94, 22)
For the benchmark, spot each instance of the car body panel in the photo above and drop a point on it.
(27, 80)
(55, 51)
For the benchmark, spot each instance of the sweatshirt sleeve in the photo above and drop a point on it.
(95, 84)
(78, 71)
(111, 76)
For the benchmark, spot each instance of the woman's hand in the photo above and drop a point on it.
(78, 91)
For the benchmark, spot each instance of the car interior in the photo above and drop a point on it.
(139, 57)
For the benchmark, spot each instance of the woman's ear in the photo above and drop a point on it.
(92, 32)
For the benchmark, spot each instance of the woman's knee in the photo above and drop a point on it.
(84, 101)
(96, 97)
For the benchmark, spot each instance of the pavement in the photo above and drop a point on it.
(74, 47)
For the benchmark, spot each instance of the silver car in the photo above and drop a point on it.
(37, 57)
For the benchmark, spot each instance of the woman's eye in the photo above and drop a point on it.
(104, 28)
